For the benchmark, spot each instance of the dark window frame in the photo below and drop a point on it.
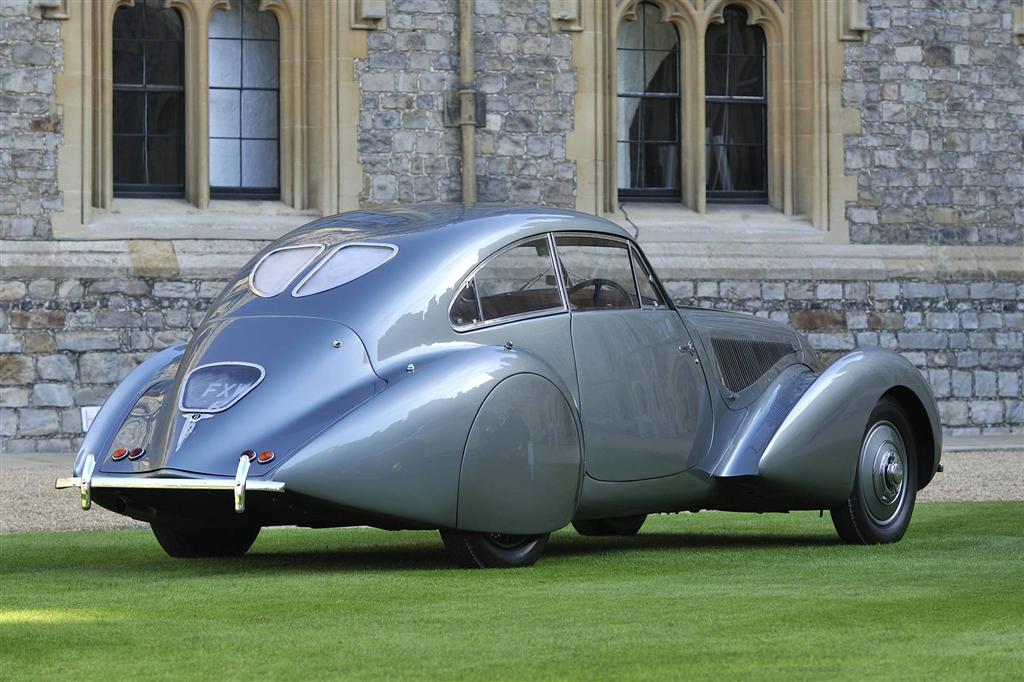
(642, 144)
(148, 189)
(729, 101)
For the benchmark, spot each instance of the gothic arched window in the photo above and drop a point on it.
(244, 109)
(647, 67)
(149, 101)
(737, 110)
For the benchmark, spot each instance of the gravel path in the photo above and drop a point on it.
(28, 501)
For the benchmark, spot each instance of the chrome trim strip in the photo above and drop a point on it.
(563, 290)
(239, 485)
(135, 482)
(336, 249)
(184, 384)
(252, 285)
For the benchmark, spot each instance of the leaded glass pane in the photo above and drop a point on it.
(226, 23)
(259, 64)
(225, 63)
(225, 114)
(225, 163)
(259, 113)
(259, 163)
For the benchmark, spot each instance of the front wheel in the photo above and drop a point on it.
(185, 541)
(885, 486)
(493, 550)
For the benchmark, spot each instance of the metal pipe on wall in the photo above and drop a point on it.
(467, 101)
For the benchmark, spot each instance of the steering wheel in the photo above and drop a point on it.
(598, 283)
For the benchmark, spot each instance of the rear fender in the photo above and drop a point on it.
(400, 454)
(117, 406)
(813, 455)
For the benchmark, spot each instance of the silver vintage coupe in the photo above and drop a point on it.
(495, 373)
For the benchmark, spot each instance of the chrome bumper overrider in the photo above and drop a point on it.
(239, 485)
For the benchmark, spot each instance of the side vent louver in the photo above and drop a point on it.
(743, 362)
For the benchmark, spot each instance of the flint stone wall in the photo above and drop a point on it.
(31, 56)
(939, 85)
(66, 342)
(525, 73)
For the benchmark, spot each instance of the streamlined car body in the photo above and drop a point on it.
(495, 373)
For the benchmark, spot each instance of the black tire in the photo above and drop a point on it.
(623, 525)
(879, 508)
(493, 550)
(182, 541)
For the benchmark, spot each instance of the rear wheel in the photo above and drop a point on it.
(493, 550)
(885, 485)
(623, 525)
(202, 541)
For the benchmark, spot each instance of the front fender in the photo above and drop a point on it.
(400, 453)
(117, 406)
(813, 455)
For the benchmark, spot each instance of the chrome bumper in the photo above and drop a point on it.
(240, 485)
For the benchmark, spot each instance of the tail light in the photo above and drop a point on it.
(119, 454)
(265, 457)
(136, 453)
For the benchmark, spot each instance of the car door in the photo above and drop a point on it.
(645, 406)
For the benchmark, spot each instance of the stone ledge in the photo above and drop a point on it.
(220, 258)
(178, 219)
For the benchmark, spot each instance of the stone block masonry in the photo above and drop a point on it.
(526, 76)
(967, 339)
(65, 343)
(940, 91)
(31, 55)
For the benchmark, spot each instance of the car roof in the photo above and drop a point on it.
(455, 225)
(403, 304)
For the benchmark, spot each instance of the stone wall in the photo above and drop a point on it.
(65, 343)
(526, 75)
(940, 90)
(966, 338)
(31, 55)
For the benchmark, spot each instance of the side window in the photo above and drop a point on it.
(518, 281)
(597, 272)
(649, 295)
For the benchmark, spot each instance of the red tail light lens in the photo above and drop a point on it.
(251, 454)
(119, 454)
(136, 453)
(265, 457)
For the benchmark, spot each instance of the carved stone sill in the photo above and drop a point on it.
(369, 15)
(52, 9)
(566, 15)
(853, 20)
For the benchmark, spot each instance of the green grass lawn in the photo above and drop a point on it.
(696, 596)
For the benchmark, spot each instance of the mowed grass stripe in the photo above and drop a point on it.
(713, 596)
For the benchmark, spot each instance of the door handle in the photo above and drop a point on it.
(691, 349)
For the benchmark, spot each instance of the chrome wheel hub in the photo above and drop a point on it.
(882, 476)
